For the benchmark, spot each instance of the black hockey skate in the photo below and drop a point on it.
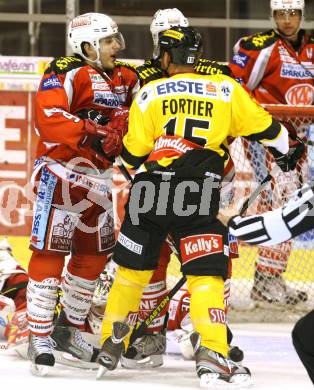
(145, 352)
(40, 353)
(112, 349)
(69, 339)
(214, 370)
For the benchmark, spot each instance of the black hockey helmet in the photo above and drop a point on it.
(184, 44)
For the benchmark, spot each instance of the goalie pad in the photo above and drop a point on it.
(277, 226)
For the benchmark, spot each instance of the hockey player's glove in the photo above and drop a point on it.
(94, 115)
(296, 150)
(119, 120)
(288, 162)
(109, 140)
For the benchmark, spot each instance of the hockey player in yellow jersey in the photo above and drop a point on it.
(177, 129)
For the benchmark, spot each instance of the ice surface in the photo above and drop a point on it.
(269, 354)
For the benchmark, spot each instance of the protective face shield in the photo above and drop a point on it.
(184, 45)
(163, 20)
(288, 7)
(91, 28)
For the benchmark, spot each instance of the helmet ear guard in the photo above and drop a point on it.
(183, 44)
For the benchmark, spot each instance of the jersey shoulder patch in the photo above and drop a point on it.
(259, 41)
(149, 71)
(311, 38)
(207, 67)
(64, 64)
(126, 65)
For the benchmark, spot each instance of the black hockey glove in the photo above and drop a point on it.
(288, 162)
(296, 150)
(94, 116)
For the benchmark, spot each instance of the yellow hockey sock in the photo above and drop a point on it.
(124, 299)
(208, 312)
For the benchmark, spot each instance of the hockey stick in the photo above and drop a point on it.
(247, 203)
(140, 328)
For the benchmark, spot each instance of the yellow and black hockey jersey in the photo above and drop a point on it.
(170, 116)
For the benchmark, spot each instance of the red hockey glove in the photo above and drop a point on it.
(119, 120)
(105, 140)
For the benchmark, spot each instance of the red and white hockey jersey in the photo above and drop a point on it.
(273, 70)
(68, 86)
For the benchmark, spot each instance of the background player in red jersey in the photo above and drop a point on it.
(278, 67)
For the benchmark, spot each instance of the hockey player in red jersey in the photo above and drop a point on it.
(81, 117)
(278, 67)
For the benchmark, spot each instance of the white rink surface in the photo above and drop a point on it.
(268, 353)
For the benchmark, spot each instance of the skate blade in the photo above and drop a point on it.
(101, 372)
(213, 380)
(39, 370)
(69, 360)
(152, 361)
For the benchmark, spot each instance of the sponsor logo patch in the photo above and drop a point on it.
(63, 225)
(240, 59)
(50, 83)
(200, 245)
(233, 245)
(181, 86)
(130, 244)
(107, 99)
(295, 71)
(217, 316)
(106, 238)
(132, 318)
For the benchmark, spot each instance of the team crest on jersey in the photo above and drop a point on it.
(300, 94)
(240, 59)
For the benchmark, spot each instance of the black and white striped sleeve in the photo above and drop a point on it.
(276, 226)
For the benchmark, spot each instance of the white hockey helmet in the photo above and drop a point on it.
(92, 27)
(276, 5)
(163, 20)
